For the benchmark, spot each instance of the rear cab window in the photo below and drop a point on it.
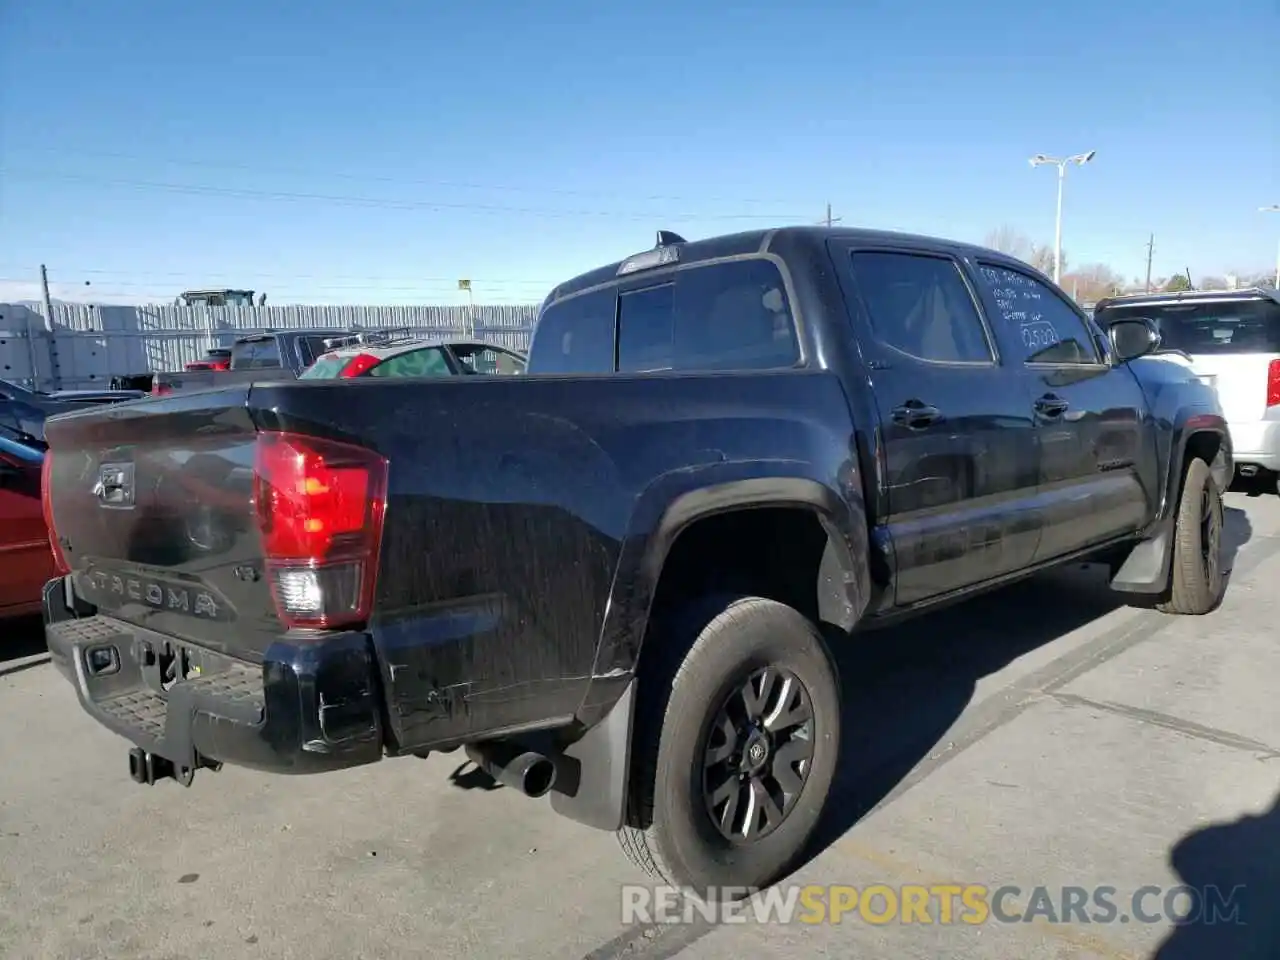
(726, 315)
(1209, 326)
(255, 354)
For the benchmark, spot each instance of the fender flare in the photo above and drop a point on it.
(594, 770)
(1146, 569)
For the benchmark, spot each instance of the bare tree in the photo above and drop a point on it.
(1093, 282)
(1008, 240)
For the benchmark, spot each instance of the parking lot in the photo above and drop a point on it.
(1040, 736)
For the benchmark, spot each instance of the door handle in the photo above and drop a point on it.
(1051, 406)
(915, 415)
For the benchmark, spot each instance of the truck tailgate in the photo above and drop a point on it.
(1241, 380)
(153, 508)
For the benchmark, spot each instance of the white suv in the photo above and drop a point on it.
(1232, 340)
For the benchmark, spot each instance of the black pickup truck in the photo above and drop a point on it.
(274, 355)
(616, 580)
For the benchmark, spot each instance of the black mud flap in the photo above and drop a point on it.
(592, 775)
(1146, 569)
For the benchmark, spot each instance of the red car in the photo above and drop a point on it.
(216, 359)
(26, 556)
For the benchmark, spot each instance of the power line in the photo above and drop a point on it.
(405, 181)
(154, 285)
(377, 202)
(240, 276)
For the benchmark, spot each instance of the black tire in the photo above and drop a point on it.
(670, 830)
(1197, 582)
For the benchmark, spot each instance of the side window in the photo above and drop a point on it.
(1047, 327)
(734, 316)
(920, 305)
(427, 362)
(508, 364)
(723, 316)
(488, 360)
(575, 335)
(310, 348)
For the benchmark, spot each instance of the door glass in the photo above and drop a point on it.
(921, 306)
(1046, 327)
(488, 360)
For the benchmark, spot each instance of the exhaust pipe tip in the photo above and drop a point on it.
(538, 776)
(138, 765)
(1249, 470)
(527, 771)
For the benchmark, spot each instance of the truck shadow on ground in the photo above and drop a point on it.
(905, 687)
(21, 639)
(1230, 865)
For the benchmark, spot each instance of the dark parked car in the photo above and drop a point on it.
(614, 579)
(218, 358)
(275, 355)
(23, 412)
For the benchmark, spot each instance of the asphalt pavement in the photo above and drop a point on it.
(1041, 738)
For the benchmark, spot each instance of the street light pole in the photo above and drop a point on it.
(1274, 208)
(1039, 160)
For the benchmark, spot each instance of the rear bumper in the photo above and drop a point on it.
(311, 706)
(1256, 443)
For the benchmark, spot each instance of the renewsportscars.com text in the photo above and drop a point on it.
(971, 904)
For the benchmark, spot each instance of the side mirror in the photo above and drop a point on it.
(1133, 337)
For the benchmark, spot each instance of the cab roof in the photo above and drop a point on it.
(1189, 296)
(762, 241)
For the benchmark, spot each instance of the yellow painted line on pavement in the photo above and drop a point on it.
(905, 872)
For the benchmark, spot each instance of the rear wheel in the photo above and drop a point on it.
(1197, 579)
(735, 747)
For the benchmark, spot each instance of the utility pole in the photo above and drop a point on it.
(48, 329)
(1274, 208)
(830, 219)
(1151, 249)
(44, 294)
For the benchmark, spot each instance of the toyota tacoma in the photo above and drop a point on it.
(617, 580)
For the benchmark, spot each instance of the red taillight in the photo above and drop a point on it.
(46, 504)
(320, 506)
(359, 364)
(1273, 384)
(159, 390)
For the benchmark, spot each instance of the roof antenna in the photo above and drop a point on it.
(666, 238)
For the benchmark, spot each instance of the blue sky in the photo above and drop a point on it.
(342, 152)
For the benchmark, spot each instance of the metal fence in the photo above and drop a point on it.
(84, 345)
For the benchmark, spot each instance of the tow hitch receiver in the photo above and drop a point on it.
(147, 768)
